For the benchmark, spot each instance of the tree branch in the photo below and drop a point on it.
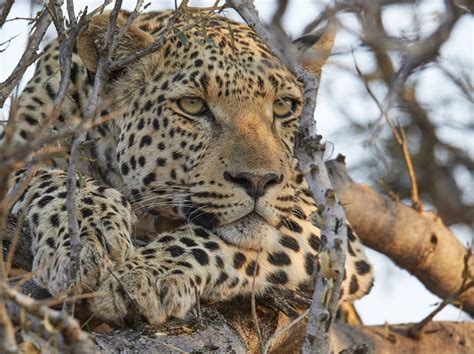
(29, 56)
(223, 335)
(6, 7)
(419, 243)
(89, 115)
(71, 334)
(7, 333)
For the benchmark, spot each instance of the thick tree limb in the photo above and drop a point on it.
(419, 243)
(223, 337)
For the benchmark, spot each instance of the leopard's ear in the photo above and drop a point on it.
(316, 48)
(90, 40)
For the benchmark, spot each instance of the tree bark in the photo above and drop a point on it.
(417, 242)
(236, 335)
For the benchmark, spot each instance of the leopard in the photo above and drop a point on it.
(192, 155)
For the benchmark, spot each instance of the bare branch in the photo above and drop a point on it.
(29, 56)
(448, 201)
(71, 333)
(420, 53)
(165, 35)
(467, 283)
(400, 138)
(89, 114)
(5, 11)
(7, 333)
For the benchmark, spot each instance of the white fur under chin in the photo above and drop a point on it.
(249, 232)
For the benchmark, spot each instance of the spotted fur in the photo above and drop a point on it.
(155, 159)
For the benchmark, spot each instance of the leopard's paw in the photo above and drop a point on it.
(141, 294)
(105, 221)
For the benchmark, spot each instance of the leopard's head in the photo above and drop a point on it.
(208, 124)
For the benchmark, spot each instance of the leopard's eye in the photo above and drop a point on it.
(284, 107)
(192, 105)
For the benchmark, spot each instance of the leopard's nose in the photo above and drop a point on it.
(255, 185)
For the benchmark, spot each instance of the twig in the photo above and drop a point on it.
(425, 51)
(69, 327)
(119, 63)
(7, 43)
(89, 114)
(5, 11)
(7, 332)
(275, 23)
(165, 35)
(467, 283)
(29, 56)
(67, 40)
(126, 25)
(463, 83)
(400, 138)
(20, 154)
(449, 205)
(282, 330)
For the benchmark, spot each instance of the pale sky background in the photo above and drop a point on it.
(397, 296)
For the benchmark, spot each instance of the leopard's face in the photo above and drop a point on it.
(208, 135)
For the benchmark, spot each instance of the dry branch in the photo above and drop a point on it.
(29, 56)
(71, 334)
(7, 333)
(5, 11)
(430, 172)
(89, 115)
(419, 243)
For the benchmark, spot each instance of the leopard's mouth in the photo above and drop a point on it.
(250, 231)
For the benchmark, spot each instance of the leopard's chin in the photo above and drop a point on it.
(249, 232)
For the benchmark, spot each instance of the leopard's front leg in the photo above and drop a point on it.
(105, 221)
(166, 277)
